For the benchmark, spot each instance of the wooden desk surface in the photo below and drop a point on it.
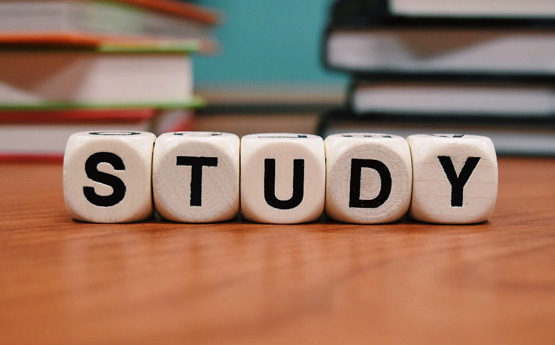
(63, 282)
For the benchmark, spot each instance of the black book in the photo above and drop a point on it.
(511, 135)
(377, 38)
(470, 99)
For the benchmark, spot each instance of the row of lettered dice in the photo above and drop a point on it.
(198, 177)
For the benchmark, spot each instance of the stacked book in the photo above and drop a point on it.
(446, 66)
(76, 65)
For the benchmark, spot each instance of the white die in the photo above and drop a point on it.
(454, 178)
(196, 176)
(369, 177)
(282, 177)
(107, 176)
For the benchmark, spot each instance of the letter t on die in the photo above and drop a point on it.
(196, 176)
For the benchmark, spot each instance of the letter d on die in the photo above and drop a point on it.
(369, 177)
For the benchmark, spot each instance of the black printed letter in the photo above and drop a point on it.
(457, 182)
(117, 185)
(196, 164)
(270, 185)
(356, 172)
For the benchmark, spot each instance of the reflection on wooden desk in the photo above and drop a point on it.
(63, 282)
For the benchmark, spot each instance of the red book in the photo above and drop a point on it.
(42, 134)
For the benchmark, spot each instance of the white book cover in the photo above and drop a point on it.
(488, 51)
(42, 77)
(475, 8)
(42, 135)
(154, 19)
(431, 99)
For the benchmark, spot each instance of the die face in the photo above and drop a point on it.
(196, 176)
(454, 178)
(107, 176)
(369, 177)
(282, 178)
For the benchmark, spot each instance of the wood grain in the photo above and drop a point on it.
(63, 282)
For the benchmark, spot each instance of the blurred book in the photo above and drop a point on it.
(455, 52)
(475, 8)
(514, 136)
(42, 134)
(367, 37)
(48, 93)
(451, 98)
(116, 20)
(80, 65)
(430, 66)
(106, 75)
(248, 109)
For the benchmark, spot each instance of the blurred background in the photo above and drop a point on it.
(319, 66)
(268, 43)
(269, 63)
(393, 66)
